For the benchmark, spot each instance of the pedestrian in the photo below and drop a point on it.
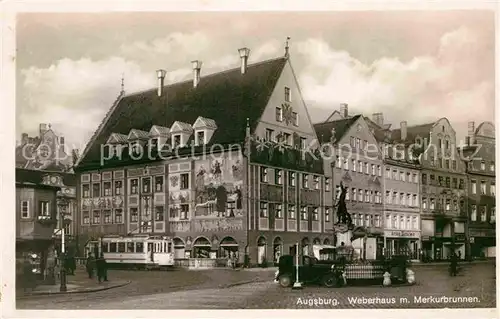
(72, 264)
(89, 265)
(453, 264)
(459, 255)
(235, 259)
(101, 269)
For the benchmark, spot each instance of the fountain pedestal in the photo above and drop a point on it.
(345, 238)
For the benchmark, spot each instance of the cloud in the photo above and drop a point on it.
(449, 84)
(74, 95)
(176, 45)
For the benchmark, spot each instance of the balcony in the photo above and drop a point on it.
(41, 228)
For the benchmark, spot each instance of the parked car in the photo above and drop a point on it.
(310, 271)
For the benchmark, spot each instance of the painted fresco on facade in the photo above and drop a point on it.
(220, 225)
(218, 187)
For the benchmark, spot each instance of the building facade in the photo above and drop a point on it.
(355, 161)
(36, 210)
(442, 195)
(47, 151)
(481, 190)
(226, 170)
(402, 208)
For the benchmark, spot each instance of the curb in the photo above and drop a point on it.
(447, 263)
(87, 290)
(240, 283)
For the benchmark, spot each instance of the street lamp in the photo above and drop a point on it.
(62, 205)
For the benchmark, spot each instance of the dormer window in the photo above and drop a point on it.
(110, 150)
(288, 94)
(279, 114)
(200, 138)
(135, 148)
(176, 140)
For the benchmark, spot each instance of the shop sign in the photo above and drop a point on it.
(460, 237)
(401, 233)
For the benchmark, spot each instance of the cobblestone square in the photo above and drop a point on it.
(244, 289)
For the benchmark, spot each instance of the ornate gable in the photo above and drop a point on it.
(181, 127)
(159, 131)
(136, 134)
(117, 138)
(204, 123)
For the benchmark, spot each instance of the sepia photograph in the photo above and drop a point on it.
(271, 159)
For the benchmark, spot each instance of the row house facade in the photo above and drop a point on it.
(480, 148)
(36, 211)
(442, 193)
(218, 164)
(402, 206)
(355, 162)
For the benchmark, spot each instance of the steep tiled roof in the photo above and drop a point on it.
(36, 176)
(229, 98)
(378, 132)
(422, 130)
(324, 130)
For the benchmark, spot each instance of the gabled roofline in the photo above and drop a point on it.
(123, 95)
(443, 118)
(204, 77)
(289, 61)
(272, 91)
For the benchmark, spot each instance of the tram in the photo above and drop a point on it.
(139, 252)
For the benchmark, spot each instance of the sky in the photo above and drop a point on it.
(415, 66)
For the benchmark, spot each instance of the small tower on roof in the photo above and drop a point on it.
(122, 91)
(287, 48)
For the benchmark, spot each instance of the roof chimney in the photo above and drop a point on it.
(196, 72)
(161, 80)
(344, 110)
(378, 118)
(404, 131)
(472, 128)
(43, 129)
(244, 53)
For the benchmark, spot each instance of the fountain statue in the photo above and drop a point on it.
(345, 231)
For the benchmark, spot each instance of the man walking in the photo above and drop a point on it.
(89, 265)
(101, 269)
(453, 264)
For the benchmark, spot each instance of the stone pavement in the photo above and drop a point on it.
(477, 281)
(78, 283)
(145, 283)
